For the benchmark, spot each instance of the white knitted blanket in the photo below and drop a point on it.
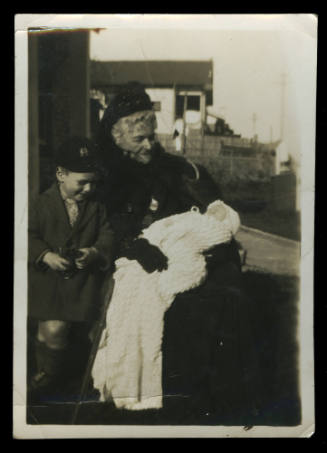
(128, 365)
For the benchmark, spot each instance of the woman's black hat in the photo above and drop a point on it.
(130, 99)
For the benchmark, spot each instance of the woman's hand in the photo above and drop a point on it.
(149, 256)
(222, 254)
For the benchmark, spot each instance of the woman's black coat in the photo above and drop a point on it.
(209, 361)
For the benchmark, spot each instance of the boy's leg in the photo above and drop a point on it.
(54, 333)
(51, 356)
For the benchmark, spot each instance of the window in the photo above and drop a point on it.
(179, 106)
(156, 106)
(193, 103)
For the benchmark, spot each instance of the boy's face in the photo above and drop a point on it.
(77, 186)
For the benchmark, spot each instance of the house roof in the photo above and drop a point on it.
(152, 73)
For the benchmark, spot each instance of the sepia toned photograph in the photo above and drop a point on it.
(164, 218)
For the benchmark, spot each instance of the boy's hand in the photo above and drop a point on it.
(56, 262)
(88, 256)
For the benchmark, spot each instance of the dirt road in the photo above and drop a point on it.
(270, 253)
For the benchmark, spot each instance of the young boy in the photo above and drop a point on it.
(70, 247)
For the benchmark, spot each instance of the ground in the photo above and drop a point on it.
(274, 301)
(270, 253)
(254, 201)
(271, 281)
(285, 224)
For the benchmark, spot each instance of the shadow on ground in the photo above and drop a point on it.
(274, 307)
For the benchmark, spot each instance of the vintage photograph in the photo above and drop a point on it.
(164, 217)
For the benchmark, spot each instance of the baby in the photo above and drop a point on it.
(128, 365)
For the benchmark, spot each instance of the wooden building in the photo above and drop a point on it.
(58, 96)
(176, 88)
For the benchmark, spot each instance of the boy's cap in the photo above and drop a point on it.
(78, 154)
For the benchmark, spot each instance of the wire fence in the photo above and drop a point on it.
(226, 163)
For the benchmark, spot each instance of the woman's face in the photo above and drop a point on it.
(136, 136)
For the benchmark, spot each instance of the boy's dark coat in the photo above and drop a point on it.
(51, 297)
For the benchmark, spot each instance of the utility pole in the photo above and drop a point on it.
(254, 120)
(223, 109)
(184, 123)
(282, 104)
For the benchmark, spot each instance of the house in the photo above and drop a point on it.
(178, 89)
(67, 93)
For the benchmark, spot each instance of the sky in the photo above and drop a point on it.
(248, 60)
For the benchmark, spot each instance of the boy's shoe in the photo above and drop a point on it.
(40, 380)
(44, 388)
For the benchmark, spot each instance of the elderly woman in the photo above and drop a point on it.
(208, 359)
